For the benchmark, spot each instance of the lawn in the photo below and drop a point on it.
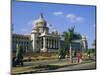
(39, 56)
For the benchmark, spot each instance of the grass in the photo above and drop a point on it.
(46, 67)
(40, 57)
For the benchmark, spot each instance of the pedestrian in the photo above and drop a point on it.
(78, 57)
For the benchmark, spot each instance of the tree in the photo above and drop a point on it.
(19, 55)
(62, 53)
(68, 37)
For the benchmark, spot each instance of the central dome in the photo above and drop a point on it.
(40, 22)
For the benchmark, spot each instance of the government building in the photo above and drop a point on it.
(41, 40)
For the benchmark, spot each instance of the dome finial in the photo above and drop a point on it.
(41, 15)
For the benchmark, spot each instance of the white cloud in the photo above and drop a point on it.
(57, 13)
(71, 16)
(74, 18)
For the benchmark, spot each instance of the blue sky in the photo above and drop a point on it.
(61, 16)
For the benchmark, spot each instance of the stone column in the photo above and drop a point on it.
(54, 43)
(51, 43)
(44, 44)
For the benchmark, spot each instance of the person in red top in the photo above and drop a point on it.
(79, 57)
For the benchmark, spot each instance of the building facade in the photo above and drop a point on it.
(41, 40)
(23, 40)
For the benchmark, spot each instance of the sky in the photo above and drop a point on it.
(60, 16)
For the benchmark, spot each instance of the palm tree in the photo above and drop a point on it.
(68, 37)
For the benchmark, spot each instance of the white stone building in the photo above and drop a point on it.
(40, 39)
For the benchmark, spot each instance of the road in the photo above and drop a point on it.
(85, 66)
